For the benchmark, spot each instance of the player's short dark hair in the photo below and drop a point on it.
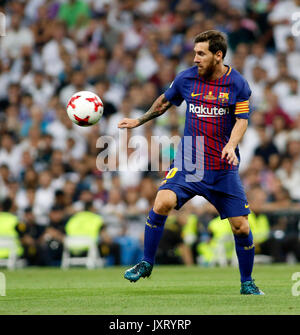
(216, 41)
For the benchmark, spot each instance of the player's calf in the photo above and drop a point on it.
(244, 246)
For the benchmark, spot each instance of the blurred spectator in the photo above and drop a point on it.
(273, 109)
(293, 57)
(40, 89)
(44, 198)
(51, 241)
(280, 18)
(280, 131)
(8, 225)
(78, 83)
(30, 233)
(51, 51)
(10, 153)
(113, 212)
(74, 13)
(17, 36)
(241, 31)
(172, 249)
(291, 101)
(259, 57)
(267, 150)
(290, 177)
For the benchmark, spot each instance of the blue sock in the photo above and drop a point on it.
(245, 253)
(153, 232)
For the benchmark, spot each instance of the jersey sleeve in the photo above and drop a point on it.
(242, 108)
(173, 94)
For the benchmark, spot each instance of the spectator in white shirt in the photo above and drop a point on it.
(16, 38)
(290, 177)
(281, 19)
(10, 154)
(258, 84)
(40, 89)
(260, 57)
(51, 52)
(44, 198)
(293, 57)
(291, 102)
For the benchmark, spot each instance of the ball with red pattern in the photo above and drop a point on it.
(85, 108)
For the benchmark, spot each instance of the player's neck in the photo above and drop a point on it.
(219, 72)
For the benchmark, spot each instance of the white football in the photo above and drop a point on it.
(85, 108)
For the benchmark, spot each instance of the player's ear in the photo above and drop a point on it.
(219, 55)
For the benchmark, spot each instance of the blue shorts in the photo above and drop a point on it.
(222, 188)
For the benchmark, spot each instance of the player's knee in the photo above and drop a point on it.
(163, 207)
(164, 203)
(240, 227)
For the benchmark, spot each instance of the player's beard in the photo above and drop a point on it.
(209, 70)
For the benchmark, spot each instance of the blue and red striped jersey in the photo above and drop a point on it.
(212, 109)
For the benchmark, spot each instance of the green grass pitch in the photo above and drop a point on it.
(170, 290)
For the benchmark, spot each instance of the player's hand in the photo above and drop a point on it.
(128, 123)
(228, 153)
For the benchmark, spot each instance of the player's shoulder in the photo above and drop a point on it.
(236, 75)
(238, 80)
(241, 87)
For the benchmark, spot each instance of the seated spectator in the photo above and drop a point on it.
(280, 133)
(261, 58)
(281, 240)
(289, 176)
(280, 18)
(51, 241)
(291, 101)
(293, 57)
(44, 198)
(29, 234)
(113, 213)
(10, 153)
(273, 108)
(8, 225)
(267, 149)
(89, 224)
(136, 209)
(172, 249)
(50, 54)
(16, 37)
(75, 13)
(78, 83)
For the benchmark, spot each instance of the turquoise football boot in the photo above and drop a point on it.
(142, 269)
(248, 287)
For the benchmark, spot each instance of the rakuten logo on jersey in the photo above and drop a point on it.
(202, 111)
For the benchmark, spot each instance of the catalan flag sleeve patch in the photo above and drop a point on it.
(242, 109)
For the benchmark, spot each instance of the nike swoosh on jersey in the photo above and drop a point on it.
(195, 95)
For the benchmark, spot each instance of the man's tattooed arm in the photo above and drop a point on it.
(160, 106)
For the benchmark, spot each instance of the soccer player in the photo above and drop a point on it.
(217, 99)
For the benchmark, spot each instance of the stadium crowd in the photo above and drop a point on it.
(128, 52)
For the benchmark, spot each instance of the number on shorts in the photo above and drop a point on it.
(171, 173)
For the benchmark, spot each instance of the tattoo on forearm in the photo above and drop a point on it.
(159, 107)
